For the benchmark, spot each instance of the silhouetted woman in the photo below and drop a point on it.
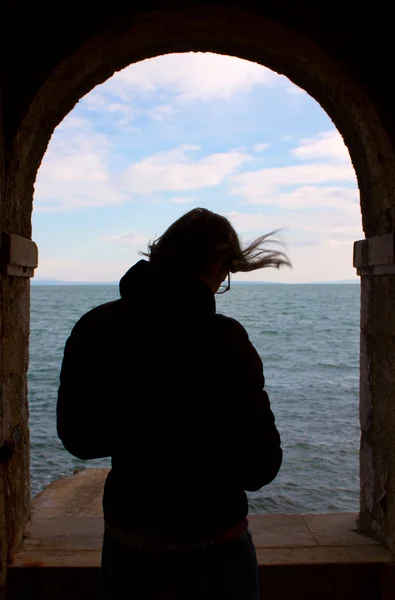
(174, 394)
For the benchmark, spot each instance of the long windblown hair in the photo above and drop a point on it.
(201, 237)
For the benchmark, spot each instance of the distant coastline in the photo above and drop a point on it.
(54, 282)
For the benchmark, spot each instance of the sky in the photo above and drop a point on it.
(175, 132)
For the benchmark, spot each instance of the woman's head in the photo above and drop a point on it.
(205, 243)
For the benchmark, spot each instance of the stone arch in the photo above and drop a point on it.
(223, 31)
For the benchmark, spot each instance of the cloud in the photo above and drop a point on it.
(73, 122)
(178, 79)
(302, 225)
(133, 237)
(316, 204)
(257, 184)
(75, 171)
(260, 147)
(191, 76)
(174, 170)
(313, 185)
(328, 144)
(100, 101)
(182, 199)
(315, 197)
(159, 112)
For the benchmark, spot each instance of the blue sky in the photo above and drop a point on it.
(179, 131)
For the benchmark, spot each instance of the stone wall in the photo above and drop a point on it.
(3, 533)
(377, 406)
(14, 434)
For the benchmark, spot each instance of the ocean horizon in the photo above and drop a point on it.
(55, 282)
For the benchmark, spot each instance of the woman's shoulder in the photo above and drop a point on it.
(228, 326)
(236, 345)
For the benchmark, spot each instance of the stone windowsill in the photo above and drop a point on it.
(67, 527)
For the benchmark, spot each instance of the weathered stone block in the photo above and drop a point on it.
(19, 255)
(361, 251)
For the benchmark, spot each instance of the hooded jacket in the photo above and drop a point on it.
(174, 394)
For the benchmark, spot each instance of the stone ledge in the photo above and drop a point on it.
(279, 539)
(67, 529)
(303, 557)
(79, 495)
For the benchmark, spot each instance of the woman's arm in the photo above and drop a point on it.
(83, 411)
(257, 452)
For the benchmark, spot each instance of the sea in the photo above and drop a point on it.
(308, 338)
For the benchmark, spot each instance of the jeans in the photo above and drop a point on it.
(223, 571)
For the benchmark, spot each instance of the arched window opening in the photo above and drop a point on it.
(185, 130)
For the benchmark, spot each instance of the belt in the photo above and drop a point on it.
(148, 543)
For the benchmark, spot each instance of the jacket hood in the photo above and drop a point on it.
(166, 286)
